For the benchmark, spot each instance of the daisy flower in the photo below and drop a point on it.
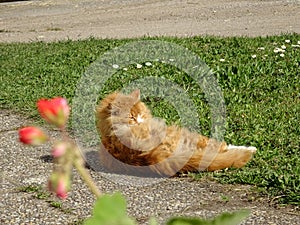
(276, 50)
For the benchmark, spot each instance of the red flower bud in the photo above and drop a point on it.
(61, 190)
(55, 111)
(32, 136)
(59, 183)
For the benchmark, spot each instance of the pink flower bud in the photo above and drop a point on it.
(32, 136)
(61, 190)
(59, 149)
(55, 111)
(59, 183)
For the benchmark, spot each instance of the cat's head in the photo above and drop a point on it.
(128, 108)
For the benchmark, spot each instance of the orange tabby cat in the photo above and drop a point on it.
(140, 143)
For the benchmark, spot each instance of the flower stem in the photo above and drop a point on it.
(78, 163)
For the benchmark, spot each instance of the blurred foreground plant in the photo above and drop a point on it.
(65, 152)
(108, 209)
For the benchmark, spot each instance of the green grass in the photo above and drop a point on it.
(42, 194)
(262, 95)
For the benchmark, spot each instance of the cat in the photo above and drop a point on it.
(134, 142)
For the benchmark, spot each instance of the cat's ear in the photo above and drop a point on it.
(136, 95)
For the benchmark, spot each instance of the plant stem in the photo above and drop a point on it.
(86, 176)
(78, 161)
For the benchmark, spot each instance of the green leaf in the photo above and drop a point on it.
(223, 219)
(152, 221)
(232, 218)
(110, 210)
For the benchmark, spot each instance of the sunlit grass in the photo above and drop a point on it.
(259, 77)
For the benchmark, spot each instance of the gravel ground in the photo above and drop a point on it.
(23, 166)
(50, 20)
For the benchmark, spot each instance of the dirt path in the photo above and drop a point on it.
(50, 20)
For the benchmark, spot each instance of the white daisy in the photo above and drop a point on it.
(171, 60)
(276, 50)
(253, 56)
(125, 69)
(283, 47)
(281, 55)
(139, 65)
(148, 64)
(287, 41)
(295, 46)
(115, 66)
(261, 48)
(222, 60)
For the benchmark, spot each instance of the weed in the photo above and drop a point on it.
(224, 198)
(77, 222)
(56, 204)
(42, 194)
(31, 189)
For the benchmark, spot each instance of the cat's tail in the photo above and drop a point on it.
(232, 156)
(212, 159)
